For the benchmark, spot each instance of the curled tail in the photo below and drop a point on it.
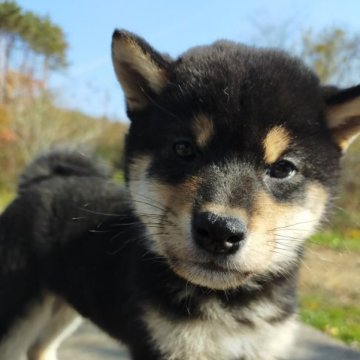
(62, 163)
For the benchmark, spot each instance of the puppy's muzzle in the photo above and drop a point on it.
(218, 235)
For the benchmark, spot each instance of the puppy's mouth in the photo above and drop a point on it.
(212, 266)
(208, 266)
(209, 274)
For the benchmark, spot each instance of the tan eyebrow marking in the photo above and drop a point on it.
(203, 128)
(275, 143)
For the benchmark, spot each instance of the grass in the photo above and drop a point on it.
(5, 198)
(118, 177)
(327, 311)
(347, 240)
(325, 314)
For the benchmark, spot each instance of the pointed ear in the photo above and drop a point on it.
(343, 114)
(141, 71)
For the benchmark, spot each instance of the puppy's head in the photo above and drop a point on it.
(232, 155)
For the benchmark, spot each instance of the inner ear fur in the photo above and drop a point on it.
(343, 114)
(141, 71)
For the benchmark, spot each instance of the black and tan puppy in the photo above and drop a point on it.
(232, 160)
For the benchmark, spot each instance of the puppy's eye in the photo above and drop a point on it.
(185, 150)
(282, 169)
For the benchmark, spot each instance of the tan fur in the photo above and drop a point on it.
(338, 114)
(347, 133)
(344, 122)
(275, 143)
(129, 59)
(277, 230)
(219, 335)
(203, 128)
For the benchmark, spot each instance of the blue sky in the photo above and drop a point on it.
(170, 26)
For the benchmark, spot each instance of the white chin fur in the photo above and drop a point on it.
(212, 279)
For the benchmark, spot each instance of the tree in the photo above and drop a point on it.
(10, 15)
(29, 44)
(333, 54)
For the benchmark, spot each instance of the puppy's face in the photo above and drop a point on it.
(232, 155)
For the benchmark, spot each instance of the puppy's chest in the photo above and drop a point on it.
(219, 333)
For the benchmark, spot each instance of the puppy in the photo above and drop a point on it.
(231, 162)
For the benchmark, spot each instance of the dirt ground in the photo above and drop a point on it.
(332, 272)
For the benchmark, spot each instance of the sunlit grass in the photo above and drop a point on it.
(346, 240)
(327, 315)
(5, 198)
(118, 176)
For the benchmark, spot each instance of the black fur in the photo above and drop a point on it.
(341, 96)
(57, 196)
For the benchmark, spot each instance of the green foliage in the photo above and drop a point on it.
(39, 33)
(340, 321)
(10, 17)
(29, 43)
(44, 38)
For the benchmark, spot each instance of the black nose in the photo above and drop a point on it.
(217, 234)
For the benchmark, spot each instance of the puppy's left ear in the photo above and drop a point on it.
(343, 114)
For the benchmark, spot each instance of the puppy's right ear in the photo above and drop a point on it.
(343, 114)
(141, 71)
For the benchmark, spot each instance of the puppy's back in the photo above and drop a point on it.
(62, 163)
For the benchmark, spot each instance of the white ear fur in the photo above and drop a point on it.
(138, 68)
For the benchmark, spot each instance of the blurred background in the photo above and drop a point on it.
(57, 87)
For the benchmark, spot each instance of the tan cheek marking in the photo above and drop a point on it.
(225, 211)
(269, 214)
(275, 143)
(272, 222)
(317, 198)
(261, 221)
(180, 198)
(203, 128)
(297, 221)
